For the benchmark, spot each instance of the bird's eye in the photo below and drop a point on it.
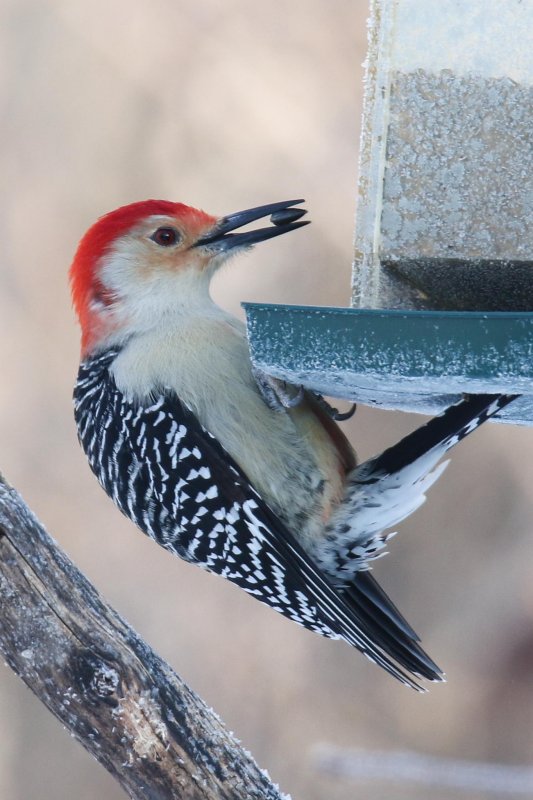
(165, 237)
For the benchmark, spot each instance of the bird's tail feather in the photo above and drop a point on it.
(437, 436)
(386, 489)
(379, 494)
(397, 480)
(388, 628)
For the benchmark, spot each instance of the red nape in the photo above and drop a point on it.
(99, 238)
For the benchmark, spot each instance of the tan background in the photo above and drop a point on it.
(227, 105)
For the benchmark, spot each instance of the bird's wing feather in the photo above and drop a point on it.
(185, 491)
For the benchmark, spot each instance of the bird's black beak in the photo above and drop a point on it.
(282, 215)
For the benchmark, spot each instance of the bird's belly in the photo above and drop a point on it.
(269, 448)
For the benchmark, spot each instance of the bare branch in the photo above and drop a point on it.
(435, 771)
(111, 691)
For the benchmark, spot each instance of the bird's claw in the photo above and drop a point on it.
(334, 413)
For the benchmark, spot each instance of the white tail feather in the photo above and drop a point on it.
(369, 509)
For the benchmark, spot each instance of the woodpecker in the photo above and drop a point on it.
(232, 470)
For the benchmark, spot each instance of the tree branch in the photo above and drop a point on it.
(420, 768)
(111, 691)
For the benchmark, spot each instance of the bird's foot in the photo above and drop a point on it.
(278, 395)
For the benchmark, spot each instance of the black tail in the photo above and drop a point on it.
(386, 626)
(443, 432)
(383, 622)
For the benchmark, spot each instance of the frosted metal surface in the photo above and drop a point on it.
(413, 361)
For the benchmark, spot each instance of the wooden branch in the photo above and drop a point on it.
(111, 691)
(426, 770)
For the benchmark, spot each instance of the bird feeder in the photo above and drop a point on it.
(443, 272)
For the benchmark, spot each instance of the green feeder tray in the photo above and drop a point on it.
(419, 361)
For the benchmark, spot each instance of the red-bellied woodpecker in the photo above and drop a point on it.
(225, 467)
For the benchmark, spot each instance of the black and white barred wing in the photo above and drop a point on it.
(177, 483)
(225, 527)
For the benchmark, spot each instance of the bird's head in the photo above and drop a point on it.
(150, 258)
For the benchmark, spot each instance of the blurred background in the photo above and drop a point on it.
(225, 106)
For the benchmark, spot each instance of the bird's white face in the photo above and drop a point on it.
(167, 243)
(159, 263)
(153, 269)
